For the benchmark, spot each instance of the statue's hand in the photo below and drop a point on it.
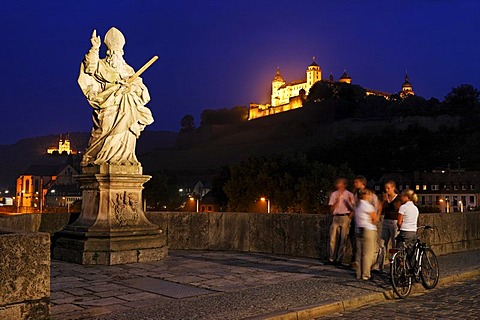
(95, 40)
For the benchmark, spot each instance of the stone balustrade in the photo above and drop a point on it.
(303, 235)
(24, 275)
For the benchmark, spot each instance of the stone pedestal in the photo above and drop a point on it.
(112, 227)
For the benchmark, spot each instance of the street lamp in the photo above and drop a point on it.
(268, 203)
(198, 204)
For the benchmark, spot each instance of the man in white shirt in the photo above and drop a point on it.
(341, 205)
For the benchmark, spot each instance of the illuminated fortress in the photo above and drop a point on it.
(288, 96)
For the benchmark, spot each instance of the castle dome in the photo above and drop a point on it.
(407, 88)
(345, 78)
(407, 83)
(345, 75)
(314, 63)
(278, 77)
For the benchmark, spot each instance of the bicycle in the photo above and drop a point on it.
(416, 262)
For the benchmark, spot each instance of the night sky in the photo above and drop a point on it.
(216, 54)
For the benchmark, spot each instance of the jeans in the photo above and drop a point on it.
(406, 237)
(353, 241)
(338, 237)
(389, 232)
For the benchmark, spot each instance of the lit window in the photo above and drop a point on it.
(417, 187)
(424, 187)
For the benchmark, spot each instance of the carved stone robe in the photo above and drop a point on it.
(119, 112)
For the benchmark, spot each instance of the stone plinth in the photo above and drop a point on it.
(24, 275)
(112, 227)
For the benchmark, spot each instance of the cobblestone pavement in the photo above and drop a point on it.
(455, 301)
(211, 285)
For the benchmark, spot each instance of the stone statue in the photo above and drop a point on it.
(118, 98)
(112, 227)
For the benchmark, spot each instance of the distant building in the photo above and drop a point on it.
(209, 203)
(37, 180)
(200, 190)
(289, 96)
(448, 190)
(64, 146)
(62, 195)
(407, 88)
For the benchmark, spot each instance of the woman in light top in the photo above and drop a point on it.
(366, 225)
(407, 218)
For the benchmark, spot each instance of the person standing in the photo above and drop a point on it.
(366, 228)
(390, 206)
(360, 183)
(407, 219)
(341, 205)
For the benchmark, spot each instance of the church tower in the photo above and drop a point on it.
(276, 84)
(407, 88)
(314, 74)
(345, 78)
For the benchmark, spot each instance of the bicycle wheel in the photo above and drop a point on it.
(429, 272)
(399, 277)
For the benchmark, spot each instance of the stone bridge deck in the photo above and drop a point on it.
(213, 285)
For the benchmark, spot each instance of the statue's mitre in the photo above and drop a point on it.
(114, 39)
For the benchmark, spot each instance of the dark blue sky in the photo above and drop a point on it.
(216, 54)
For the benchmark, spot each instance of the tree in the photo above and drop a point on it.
(224, 116)
(187, 123)
(463, 99)
(290, 181)
(161, 193)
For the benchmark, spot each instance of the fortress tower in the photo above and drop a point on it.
(282, 92)
(314, 74)
(407, 88)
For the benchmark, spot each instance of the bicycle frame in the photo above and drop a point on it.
(407, 265)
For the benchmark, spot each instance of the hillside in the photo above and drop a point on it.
(16, 157)
(200, 152)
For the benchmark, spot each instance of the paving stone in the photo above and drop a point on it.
(435, 304)
(78, 291)
(240, 285)
(111, 293)
(60, 295)
(68, 279)
(64, 308)
(185, 279)
(166, 288)
(105, 287)
(138, 296)
(148, 303)
(101, 302)
(57, 286)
